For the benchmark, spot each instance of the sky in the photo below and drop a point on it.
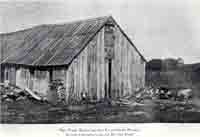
(158, 28)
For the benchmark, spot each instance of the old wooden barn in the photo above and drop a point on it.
(93, 56)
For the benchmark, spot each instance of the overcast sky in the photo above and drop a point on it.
(159, 28)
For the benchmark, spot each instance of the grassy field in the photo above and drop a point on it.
(31, 111)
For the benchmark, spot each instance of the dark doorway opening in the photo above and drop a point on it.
(50, 75)
(1, 74)
(109, 77)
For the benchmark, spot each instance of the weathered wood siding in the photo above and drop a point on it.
(40, 81)
(22, 77)
(128, 67)
(37, 81)
(87, 71)
(10, 74)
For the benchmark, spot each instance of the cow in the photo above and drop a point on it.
(184, 94)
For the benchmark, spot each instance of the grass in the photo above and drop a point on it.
(30, 111)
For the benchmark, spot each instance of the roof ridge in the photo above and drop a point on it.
(80, 20)
(56, 24)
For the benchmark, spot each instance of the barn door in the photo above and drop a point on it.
(109, 78)
(109, 40)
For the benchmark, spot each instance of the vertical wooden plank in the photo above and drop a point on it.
(11, 78)
(75, 80)
(86, 88)
(98, 66)
(27, 77)
(123, 65)
(89, 71)
(31, 71)
(118, 63)
(10, 75)
(113, 90)
(81, 72)
(66, 84)
(102, 63)
(132, 69)
(35, 85)
(95, 68)
(70, 77)
(64, 77)
(101, 56)
(72, 84)
(78, 78)
(92, 71)
(101, 45)
(128, 66)
(80, 75)
(5, 73)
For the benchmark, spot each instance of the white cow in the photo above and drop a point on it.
(185, 93)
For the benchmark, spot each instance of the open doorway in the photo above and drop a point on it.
(109, 78)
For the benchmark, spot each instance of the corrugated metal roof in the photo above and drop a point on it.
(51, 45)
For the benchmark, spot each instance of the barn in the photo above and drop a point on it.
(94, 56)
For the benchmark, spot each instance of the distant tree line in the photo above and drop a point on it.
(164, 64)
(172, 73)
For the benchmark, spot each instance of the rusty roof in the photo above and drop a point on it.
(50, 45)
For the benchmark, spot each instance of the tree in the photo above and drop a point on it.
(154, 64)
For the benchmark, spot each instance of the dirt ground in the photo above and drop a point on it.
(31, 111)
